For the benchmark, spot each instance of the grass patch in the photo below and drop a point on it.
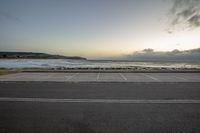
(5, 72)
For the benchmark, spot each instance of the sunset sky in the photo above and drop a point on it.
(98, 28)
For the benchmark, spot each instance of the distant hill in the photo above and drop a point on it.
(32, 55)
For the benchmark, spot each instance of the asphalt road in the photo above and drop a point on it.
(33, 107)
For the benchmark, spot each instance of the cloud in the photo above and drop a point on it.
(175, 55)
(185, 12)
(195, 20)
(9, 16)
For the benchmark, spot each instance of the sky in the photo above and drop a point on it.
(98, 29)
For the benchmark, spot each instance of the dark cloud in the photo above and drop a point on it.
(195, 20)
(175, 55)
(148, 50)
(9, 16)
(185, 12)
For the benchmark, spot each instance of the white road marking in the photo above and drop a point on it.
(120, 101)
(171, 77)
(68, 78)
(98, 76)
(123, 76)
(181, 78)
(150, 77)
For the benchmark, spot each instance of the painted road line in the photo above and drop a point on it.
(120, 101)
(123, 76)
(48, 76)
(68, 78)
(181, 78)
(151, 77)
(98, 76)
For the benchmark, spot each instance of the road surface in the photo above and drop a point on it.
(100, 107)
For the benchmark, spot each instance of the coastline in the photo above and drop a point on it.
(80, 66)
(110, 70)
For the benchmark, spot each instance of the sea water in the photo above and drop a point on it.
(67, 63)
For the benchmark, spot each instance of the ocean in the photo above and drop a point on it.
(67, 63)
